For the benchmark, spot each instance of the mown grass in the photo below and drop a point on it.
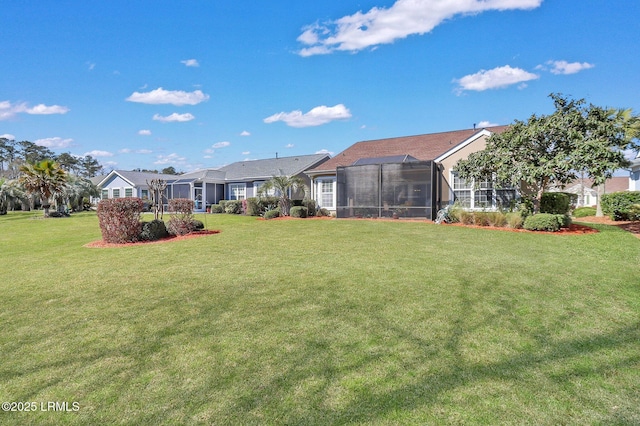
(320, 322)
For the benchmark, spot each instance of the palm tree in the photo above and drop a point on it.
(44, 178)
(284, 186)
(10, 192)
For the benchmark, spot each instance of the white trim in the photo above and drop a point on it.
(463, 144)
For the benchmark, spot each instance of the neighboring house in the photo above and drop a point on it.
(407, 176)
(236, 181)
(586, 194)
(634, 176)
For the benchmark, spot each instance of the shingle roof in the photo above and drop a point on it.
(423, 147)
(141, 178)
(258, 169)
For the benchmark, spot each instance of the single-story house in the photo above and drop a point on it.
(634, 176)
(235, 181)
(586, 194)
(408, 176)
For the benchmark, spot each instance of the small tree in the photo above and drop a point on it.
(156, 191)
(284, 186)
(552, 149)
(44, 178)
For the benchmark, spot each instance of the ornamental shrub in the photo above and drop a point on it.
(324, 212)
(555, 203)
(233, 206)
(197, 225)
(271, 214)
(298, 211)
(253, 207)
(619, 205)
(217, 208)
(181, 222)
(119, 219)
(514, 220)
(311, 207)
(584, 212)
(542, 222)
(222, 203)
(154, 230)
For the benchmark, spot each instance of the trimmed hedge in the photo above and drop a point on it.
(119, 219)
(555, 203)
(271, 214)
(298, 211)
(181, 222)
(233, 206)
(620, 205)
(584, 212)
(154, 230)
(547, 222)
(217, 208)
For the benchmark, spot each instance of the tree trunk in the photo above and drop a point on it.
(537, 202)
(600, 191)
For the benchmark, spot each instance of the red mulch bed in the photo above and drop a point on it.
(629, 226)
(573, 229)
(196, 234)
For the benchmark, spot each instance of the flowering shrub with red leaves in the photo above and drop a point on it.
(120, 219)
(181, 222)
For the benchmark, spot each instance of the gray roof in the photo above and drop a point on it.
(266, 169)
(203, 175)
(141, 178)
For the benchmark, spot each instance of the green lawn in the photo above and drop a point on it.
(320, 322)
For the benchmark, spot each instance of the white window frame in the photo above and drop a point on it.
(237, 191)
(321, 193)
(115, 192)
(458, 185)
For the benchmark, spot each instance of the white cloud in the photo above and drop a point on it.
(43, 109)
(289, 145)
(494, 79)
(134, 151)
(191, 62)
(55, 142)
(98, 153)
(324, 151)
(220, 145)
(175, 117)
(91, 66)
(170, 159)
(8, 136)
(173, 97)
(385, 25)
(9, 110)
(483, 124)
(144, 132)
(316, 117)
(245, 133)
(246, 152)
(564, 67)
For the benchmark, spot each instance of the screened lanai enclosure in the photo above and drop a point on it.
(376, 188)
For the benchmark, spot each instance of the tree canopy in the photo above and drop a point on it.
(555, 149)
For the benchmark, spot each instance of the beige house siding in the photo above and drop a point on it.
(450, 161)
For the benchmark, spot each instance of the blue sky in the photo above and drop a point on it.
(194, 84)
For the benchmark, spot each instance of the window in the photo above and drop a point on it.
(116, 192)
(105, 194)
(128, 192)
(237, 191)
(487, 195)
(145, 194)
(325, 193)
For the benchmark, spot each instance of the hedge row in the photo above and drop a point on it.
(621, 205)
(119, 219)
